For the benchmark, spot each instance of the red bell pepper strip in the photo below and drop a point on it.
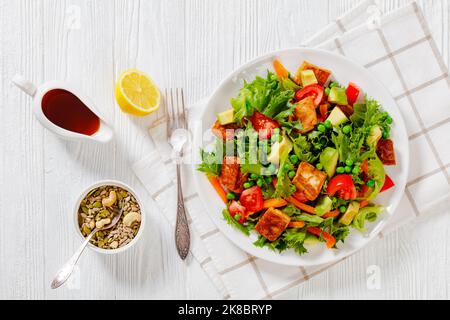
(352, 93)
(388, 183)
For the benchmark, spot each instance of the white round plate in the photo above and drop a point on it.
(343, 71)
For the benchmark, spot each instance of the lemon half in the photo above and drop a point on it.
(136, 93)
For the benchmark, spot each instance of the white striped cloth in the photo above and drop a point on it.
(402, 51)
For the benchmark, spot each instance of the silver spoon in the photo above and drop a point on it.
(66, 270)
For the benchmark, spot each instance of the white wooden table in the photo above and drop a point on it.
(192, 44)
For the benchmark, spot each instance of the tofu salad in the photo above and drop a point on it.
(298, 159)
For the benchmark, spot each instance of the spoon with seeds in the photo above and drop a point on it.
(66, 270)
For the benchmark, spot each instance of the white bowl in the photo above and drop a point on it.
(344, 71)
(117, 184)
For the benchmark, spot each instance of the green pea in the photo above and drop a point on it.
(268, 179)
(370, 183)
(260, 182)
(340, 170)
(356, 170)
(348, 169)
(321, 128)
(349, 162)
(319, 166)
(237, 217)
(248, 185)
(286, 167)
(342, 209)
(294, 159)
(253, 176)
(328, 124)
(291, 174)
(386, 134)
(327, 91)
(230, 196)
(347, 129)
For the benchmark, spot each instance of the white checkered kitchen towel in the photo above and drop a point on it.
(402, 52)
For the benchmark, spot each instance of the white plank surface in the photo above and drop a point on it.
(193, 44)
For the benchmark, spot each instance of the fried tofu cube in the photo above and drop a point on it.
(272, 224)
(225, 132)
(321, 74)
(305, 112)
(231, 176)
(309, 180)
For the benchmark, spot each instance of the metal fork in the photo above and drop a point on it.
(177, 121)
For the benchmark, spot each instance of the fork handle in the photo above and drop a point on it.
(182, 234)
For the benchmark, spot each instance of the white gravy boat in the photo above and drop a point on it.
(104, 133)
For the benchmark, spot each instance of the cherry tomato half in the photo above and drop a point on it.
(264, 125)
(235, 208)
(352, 93)
(313, 90)
(252, 199)
(343, 185)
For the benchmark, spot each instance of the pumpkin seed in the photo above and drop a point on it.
(85, 209)
(97, 204)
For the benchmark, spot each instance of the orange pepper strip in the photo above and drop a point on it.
(280, 70)
(331, 214)
(302, 206)
(363, 203)
(218, 187)
(274, 182)
(274, 203)
(329, 239)
(296, 224)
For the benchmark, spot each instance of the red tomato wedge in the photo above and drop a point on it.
(264, 125)
(343, 185)
(235, 208)
(329, 239)
(388, 183)
(252, 199)
(323, 110)
(352, 93)
(313, 90)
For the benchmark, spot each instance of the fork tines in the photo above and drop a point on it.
(175, 109)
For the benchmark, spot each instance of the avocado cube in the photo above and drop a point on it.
(226, 117)
(350, 214)
(329, 159)
(337, 117)
(338, 96)
(308, 77)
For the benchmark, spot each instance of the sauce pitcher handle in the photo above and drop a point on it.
(24, 84)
